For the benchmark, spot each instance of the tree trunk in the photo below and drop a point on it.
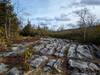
(6, 34)
(9, 29)
(84, 34)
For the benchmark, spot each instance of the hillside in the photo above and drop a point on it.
(92, 34)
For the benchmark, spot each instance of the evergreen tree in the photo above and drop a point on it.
(27, 30)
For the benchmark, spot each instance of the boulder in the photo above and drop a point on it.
(84, 52)
(53, 64)
(71, 51)
(78, 64)
(3, 68)
(14, 71)
(37, 62)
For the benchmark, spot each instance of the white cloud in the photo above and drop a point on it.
(56, 12)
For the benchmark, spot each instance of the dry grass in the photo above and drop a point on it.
(40, 72)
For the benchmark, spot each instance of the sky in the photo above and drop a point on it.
(54, 13)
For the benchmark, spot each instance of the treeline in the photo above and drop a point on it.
(28, 30)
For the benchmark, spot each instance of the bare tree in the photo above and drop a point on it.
(86, 20)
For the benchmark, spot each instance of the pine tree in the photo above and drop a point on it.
(27, 30)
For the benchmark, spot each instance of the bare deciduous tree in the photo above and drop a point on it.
(86, 20)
